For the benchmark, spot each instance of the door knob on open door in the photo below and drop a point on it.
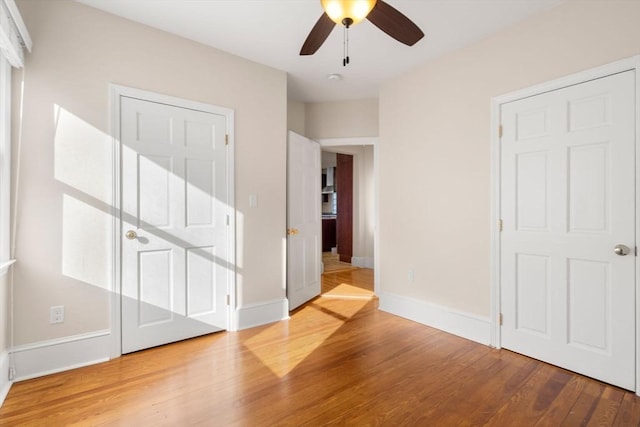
(131, 235)
(621, 250)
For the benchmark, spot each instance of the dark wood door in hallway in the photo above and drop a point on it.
(344, 218)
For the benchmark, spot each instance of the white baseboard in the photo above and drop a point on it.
(5, 383)
(252, 315)
(362, 262)
(465, 325)
(48, 357)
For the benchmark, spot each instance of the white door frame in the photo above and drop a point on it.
(369, 140)
(628, 64)
(117, 91)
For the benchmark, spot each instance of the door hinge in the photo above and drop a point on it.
(228, 219)
(226, 139)
(228, 299)
(500, 225)
(636, 251)
(500, 319)
(500, 131)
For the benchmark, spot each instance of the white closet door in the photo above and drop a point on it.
(568, 207)
(174, 243)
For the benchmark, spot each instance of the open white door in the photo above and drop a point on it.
(175, 269)
(304, 220)
(568, 245)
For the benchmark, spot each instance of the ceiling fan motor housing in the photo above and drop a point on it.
(347, 22)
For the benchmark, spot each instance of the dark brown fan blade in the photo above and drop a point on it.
(394, 23)
(318, 35)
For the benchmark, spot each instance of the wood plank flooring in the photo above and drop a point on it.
(336, 362)
(332, 263)
(353, 283)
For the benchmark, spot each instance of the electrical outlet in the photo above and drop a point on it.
(411, 275)
(12, 373)
(56, 314)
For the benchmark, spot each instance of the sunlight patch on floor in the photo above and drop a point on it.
(345, 290)
(284, 345)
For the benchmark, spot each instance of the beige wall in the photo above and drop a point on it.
(367, 202)
(5, 319)
(434, 166)
(296, 117)
(64, 223)
(363, 206)
(344, 119)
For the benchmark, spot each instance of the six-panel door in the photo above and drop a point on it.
(175, 235)
(568, 198)
(304, 223)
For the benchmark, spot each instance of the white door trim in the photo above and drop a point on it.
(632, 63)
(117, 91)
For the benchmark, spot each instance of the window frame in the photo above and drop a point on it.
(5, 165)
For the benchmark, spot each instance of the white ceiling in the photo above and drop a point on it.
(271, 32)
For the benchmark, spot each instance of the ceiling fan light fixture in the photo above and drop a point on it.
(339, 10)
(349, 12)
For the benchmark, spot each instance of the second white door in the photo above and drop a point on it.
(568, 206)
(175, 260)
(304, 220)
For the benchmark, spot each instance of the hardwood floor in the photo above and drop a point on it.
(332, 263)
(335, 362)
(352, 283)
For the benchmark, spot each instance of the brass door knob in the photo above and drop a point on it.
(131, 235)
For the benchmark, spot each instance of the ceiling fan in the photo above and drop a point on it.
(350, 12)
